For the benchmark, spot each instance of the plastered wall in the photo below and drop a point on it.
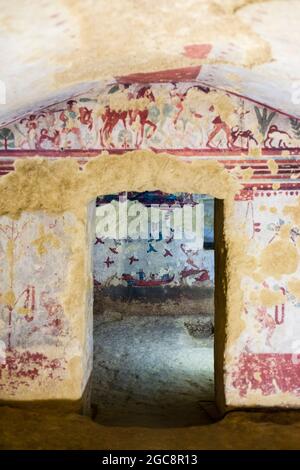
(159, 253)
(44, 344)
(170, 262)
(199, 141)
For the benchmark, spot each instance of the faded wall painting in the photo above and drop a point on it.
(157, 116)
(159, 266)
(255, 144)
(37, 339)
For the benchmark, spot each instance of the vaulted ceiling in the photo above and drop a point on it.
(53, 48)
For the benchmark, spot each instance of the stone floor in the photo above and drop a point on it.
(152, 370)
(171, 363)
(21, 429)
(56, 429)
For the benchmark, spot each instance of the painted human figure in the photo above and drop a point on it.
(179, 103)
(54, 323)
(266, 322)
(141, 116)
(69, 118)
(31, 124)
(219, 125)
(110, 119)
(141, 274)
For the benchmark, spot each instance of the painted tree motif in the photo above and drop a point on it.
(264, 119)
(22, 303)
(295, 123)
(7, 138)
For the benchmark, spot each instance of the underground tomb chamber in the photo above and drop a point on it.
(154, 284)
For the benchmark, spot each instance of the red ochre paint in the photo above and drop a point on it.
(197, 51)
(267, 373)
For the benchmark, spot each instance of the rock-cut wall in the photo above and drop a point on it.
(167, 137)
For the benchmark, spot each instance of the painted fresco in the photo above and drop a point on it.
(257, 144)
(267, 353)
(157, 261)
(35, 332)
(157, 116)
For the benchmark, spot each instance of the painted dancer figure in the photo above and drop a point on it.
(31, 124)
(69, 118)
(266, 322)
(142, 116)
(219, 125)
(179, 103)
(110, 119)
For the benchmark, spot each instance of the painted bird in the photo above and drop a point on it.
(99, 240)
(151, 249)
(167, 253)
(108, 262)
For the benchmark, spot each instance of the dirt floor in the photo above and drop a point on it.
(20, 429)
(152, 370)
(153, 411)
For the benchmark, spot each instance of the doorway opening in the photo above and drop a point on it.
(154, 318)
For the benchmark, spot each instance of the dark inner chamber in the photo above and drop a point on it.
(154, 319)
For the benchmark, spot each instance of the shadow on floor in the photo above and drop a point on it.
(41, 429)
